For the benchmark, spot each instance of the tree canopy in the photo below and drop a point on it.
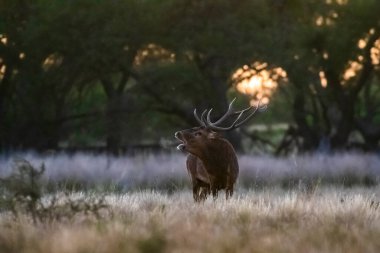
(129, 73)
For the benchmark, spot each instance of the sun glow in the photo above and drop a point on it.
(355, 66)
(340, 2)
(326, 20)
(323, 79)
(375, 53)
(258, 81)
(153, 53)
(3, 68)
(3, 39)
(51, 61)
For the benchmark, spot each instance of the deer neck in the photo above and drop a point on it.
(217, 156)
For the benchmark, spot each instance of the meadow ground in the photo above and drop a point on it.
(331, 219)
(309, 203)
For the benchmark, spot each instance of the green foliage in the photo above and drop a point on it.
(78, 70)
(22, 193)
(21, 190)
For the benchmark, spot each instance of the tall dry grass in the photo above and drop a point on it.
(270, 220)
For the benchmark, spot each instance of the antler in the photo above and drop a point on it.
(200, 120)
(235, 124)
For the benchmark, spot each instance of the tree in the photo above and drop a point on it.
(66, 48)
(317, 45)
(103, 39)
(39, 83)
(167, 57)
(210, 39)
(14, 14)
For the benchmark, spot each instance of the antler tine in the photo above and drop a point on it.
(200, 120)
(235, 124)
(220, 120)
(215, 127)
(203, 117)
(257, 108)
(263, 107)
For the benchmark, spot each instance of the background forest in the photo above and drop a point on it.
(125, 75)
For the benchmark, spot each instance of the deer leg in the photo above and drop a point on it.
(214, 191)
(196, 189)
(229, 188)
(205, 191)
(202, 190)
(203, 194)
(229, 192)
(213, 187)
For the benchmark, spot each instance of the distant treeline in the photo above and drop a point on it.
(130, 72)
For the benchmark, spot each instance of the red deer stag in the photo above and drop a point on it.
(212, 162)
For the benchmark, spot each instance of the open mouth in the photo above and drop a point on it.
(182, 145)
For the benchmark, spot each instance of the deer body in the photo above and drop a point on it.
(199, 177)
(212, 162)
(214, 169)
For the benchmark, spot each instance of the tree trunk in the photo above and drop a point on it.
(341, 131)
(310, 138)
(214, 71)
(114, 124)
(5, 85)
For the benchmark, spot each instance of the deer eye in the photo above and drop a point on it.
(197, 134)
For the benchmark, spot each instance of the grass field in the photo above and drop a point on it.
(267, 220)
(296, 204)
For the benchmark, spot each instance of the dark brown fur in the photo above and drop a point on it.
(211, 163)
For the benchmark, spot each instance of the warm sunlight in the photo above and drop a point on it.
(375, 53)
(3, 68)
(52, 60)
(153, 53)
(340, 2)
(362, 43)
(323, 79)
(326, 20)
(2, 71)
(355, 66)
(258, 81)
(375, 50)
(3, 39)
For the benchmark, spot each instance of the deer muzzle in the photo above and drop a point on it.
(179, 136)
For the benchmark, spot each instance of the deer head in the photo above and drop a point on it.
(200, 140)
